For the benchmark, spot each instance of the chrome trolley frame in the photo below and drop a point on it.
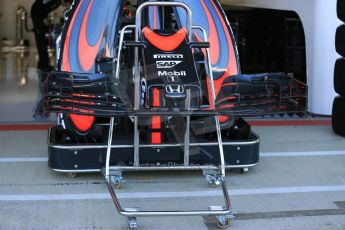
(214, 175)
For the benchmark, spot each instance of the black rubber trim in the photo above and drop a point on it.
(340, 40)
(199, 45)
(341, 10)
(338, 116)
(133, 44)
(339, 77)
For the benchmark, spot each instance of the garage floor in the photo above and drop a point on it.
(299, 183)
(18, 87)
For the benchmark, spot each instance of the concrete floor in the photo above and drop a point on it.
(299, 184)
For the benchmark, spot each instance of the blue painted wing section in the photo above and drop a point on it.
(102, 23)
(209, 15)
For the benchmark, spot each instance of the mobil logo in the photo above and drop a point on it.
(171, 73)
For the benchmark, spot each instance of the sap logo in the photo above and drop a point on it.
(167, 64)
(175, 73)
(168, 56)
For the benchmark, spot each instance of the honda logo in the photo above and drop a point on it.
(174, 89)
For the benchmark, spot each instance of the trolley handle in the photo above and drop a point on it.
(171, 4)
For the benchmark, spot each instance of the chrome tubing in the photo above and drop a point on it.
(219, 133)
(224, 211)
(171, 4)
(110, 139)
(159, 168)
(187, 131)
(119, 52)
(136, 61)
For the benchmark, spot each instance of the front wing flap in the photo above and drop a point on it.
(240, 95)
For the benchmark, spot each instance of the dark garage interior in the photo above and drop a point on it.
(269, 40)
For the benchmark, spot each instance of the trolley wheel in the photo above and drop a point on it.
(244, 170)
(117, 181)
(118, 185)
(213, 184)
(223, 222)
(132, 223)
(71, 175)
(213, 180)
(225, 225)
